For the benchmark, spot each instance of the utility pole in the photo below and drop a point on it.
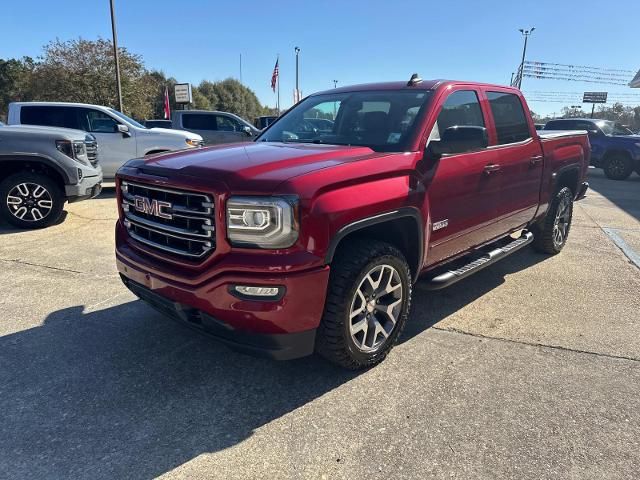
(241, 69)
(115, 54)
(525, 34)
(297, 99)
(335, 84)
(511, 82)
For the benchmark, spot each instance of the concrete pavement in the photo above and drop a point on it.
(529, 369)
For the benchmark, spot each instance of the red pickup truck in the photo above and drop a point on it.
(310, 238)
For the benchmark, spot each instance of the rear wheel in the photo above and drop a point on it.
(551, 236)
(618, 167)
(367, 304)
(30, 200)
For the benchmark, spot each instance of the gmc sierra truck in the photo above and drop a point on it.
(41, 168)
(302, 242)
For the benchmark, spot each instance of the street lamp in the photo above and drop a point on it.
(525, 34)
(297, 50)
(335, 84)
(115, 54)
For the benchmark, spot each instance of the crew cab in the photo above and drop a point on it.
(614, 147)
(120, 138)
(299, 243)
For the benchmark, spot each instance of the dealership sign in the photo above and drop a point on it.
(594, 97)
(182, 92)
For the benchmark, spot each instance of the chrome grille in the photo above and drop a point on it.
(174, 221)
(92, 151)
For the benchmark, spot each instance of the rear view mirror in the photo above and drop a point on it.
(459, 139)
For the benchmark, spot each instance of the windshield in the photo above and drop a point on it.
(612, 128)
(381, 120)
(127, 119)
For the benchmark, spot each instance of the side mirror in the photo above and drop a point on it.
(458, 139)
(593, 132)
(123, 129)
(247, 129)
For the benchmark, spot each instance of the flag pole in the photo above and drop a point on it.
(278, 80)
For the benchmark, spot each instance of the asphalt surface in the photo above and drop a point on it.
(529, 370)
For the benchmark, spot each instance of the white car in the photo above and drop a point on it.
(119, 137)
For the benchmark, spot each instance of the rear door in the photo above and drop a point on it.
(463, 193)
(519, 157)
(204, 124)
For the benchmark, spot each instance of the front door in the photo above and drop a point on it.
(114, 148)
(463, 192)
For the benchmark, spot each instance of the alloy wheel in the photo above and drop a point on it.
(376, 307)
(561, 223)
(29, 202)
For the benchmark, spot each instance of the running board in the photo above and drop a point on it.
(450, 277)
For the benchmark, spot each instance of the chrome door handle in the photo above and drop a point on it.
(492, 167)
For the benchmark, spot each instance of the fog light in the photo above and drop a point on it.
(79, 174)
(259, 292)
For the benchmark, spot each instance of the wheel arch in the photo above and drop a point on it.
(10, 164)
(401, 228)
(568, 176)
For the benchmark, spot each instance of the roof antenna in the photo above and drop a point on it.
(415, 79)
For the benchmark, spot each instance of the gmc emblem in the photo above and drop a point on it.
(157, 208)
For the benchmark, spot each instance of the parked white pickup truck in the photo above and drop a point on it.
(120, 138)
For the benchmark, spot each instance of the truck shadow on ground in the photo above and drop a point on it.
(124, 392)
(625, 194)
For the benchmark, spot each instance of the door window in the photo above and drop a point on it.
(508, 114)
(227, 124)
(97, 121)
(462, 108)
(49, 116)
(199, 121)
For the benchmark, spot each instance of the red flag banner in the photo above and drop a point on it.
(167, 108)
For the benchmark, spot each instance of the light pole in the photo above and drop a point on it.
(335, 84)
(115, 54)
(525, 34)
(297, 50)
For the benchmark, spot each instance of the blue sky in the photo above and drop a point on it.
(353, 41)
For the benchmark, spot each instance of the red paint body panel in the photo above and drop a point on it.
(338, 186)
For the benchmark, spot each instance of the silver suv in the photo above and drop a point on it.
(41, 168)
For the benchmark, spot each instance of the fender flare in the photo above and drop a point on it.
(36, 158)
(404, 212)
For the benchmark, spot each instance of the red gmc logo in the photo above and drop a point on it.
(157, 208)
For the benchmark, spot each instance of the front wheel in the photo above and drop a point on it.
(367, 304)
(30, 200)
(551, 236)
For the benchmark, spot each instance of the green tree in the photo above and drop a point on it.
(84, 71)
(231, 96)
(15, 80)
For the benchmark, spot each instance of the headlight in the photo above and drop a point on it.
(74, 150)
(192, 142)
(262, 222)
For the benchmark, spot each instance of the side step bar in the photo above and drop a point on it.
(450, 277)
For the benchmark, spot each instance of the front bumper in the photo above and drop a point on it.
(88, 187)
(282, 329)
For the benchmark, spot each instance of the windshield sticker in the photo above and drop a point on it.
(394, 137)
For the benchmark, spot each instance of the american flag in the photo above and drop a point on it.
(274, 76)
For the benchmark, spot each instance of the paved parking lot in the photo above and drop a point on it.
(529, 369)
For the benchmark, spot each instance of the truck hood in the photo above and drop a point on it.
(255, 166)
(57, 132)
(173, 133)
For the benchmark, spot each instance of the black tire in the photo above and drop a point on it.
(353, 262)
(30, 200)
(556, 222)
(618, 167)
